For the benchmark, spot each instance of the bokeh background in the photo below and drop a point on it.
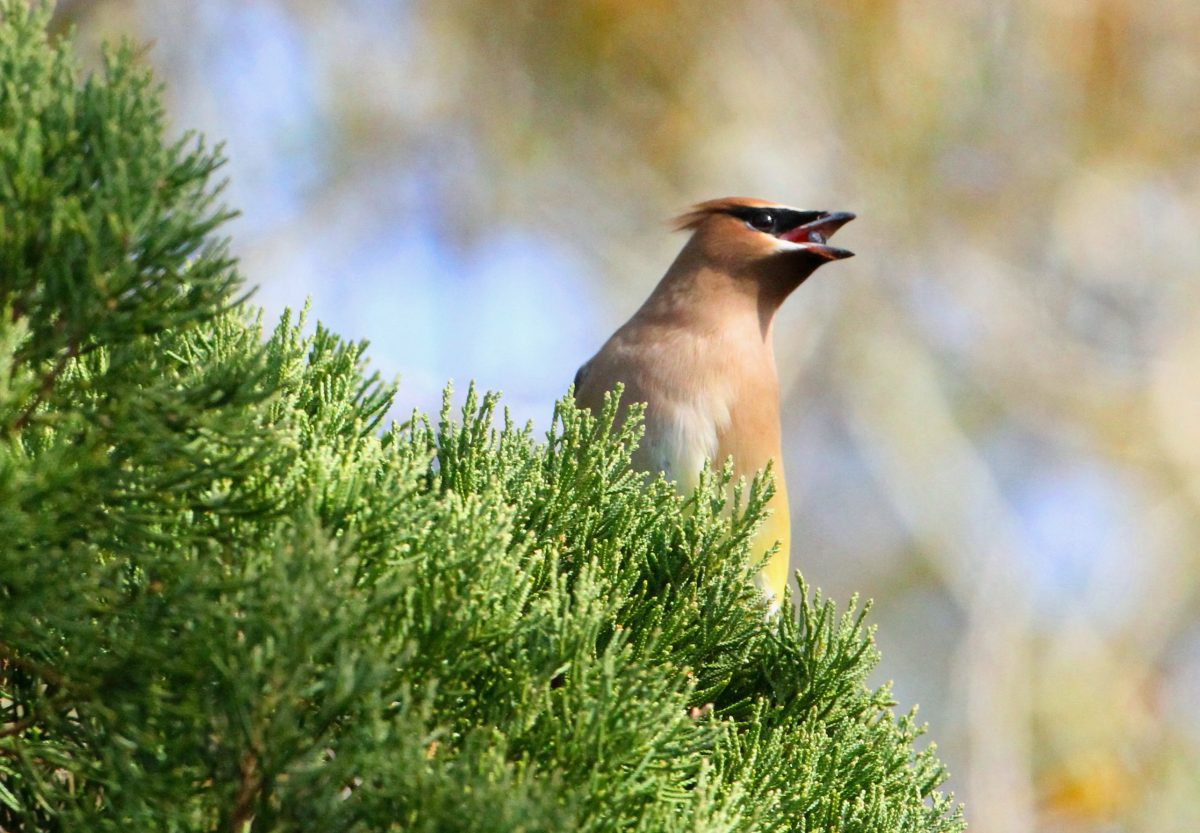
(992, 414)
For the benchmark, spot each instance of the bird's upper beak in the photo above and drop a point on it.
(812, 236)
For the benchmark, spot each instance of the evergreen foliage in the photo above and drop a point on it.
(230, 599)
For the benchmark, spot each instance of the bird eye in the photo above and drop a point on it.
(763, 221)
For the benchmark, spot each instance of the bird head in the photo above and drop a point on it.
(763, 241)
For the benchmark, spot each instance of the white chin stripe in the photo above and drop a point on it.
(789, 246)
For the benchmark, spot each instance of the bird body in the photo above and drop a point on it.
(699, 351)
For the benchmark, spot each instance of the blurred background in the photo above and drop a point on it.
(992, 415)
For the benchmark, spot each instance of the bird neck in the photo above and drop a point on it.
(699, 292)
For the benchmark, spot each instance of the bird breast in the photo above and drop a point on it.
(682, 432)
(710, 391)
(696, 383)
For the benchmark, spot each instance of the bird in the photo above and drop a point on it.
(699, 353)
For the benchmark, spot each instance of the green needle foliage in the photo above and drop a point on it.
(232, 599)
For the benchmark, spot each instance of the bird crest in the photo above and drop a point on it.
(697, 214)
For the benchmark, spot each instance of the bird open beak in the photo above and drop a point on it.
(812, 236)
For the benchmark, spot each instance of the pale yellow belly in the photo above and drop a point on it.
(775, 573)
(679, 439)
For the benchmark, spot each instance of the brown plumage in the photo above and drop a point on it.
(699, 354)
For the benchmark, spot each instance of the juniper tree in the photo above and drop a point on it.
(231, 598)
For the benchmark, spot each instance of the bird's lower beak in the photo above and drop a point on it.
(812, 236)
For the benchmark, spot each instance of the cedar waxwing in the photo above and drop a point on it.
(698, 352)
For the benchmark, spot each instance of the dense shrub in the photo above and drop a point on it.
(231, 598)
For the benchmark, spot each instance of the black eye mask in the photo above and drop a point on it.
(774, 221)
(809, 230)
